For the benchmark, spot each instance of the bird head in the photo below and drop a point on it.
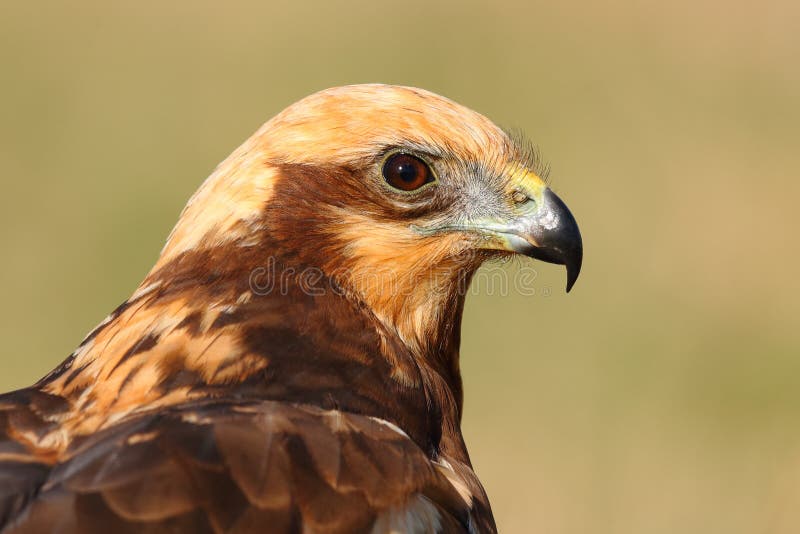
(396, 193)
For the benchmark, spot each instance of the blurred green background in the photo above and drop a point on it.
(660, 396)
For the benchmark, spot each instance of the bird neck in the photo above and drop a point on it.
(224, 321)
(413, 323)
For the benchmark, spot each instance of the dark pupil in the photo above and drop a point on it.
(407, 171)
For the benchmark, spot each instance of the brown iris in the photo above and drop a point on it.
(406, 172)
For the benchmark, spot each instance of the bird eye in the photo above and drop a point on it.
(406, 172)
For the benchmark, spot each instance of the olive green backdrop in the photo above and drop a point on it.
(661, 396)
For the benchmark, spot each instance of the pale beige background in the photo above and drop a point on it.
(661, 396)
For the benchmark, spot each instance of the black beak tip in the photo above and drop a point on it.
(574, 268)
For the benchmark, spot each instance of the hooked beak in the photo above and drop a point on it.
(549, 233)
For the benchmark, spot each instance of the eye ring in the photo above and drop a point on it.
(406, 172)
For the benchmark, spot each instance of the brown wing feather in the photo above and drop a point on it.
(237, 467)
(25, 417)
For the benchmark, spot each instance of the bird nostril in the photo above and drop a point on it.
(520, 197)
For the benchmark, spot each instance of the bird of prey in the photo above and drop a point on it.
(291, 362)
